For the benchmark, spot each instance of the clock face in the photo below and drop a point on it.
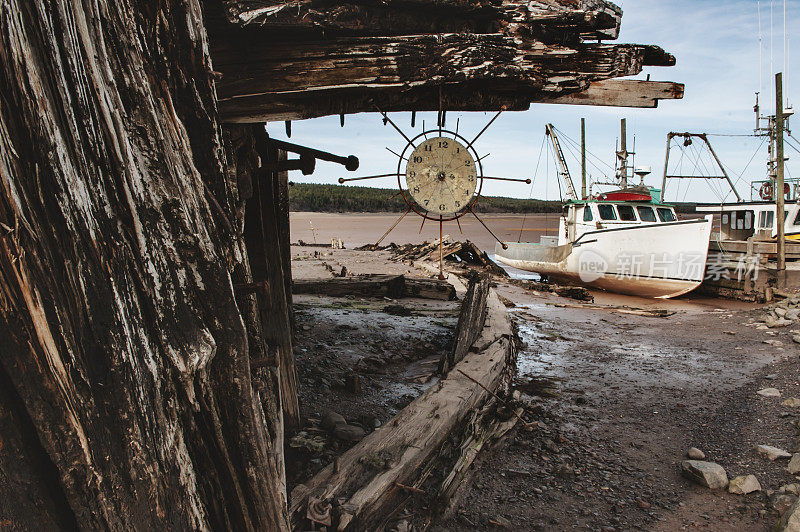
(441, 176)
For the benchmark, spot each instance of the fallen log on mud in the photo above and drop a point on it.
(360, 490)
(377, 285)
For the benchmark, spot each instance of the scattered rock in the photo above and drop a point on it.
(781, 502)
(769, 392)
(774, 343)
(790, 521)
(706, 474)
(794, 489)
(796, 338)
(397, 310)
(792, 314)
(744, 484)
(793, 402)
(772, 453)
(771, 376)
(794, 464)
(773, 322)
(696, 454)
(348, 432)
(330, 419)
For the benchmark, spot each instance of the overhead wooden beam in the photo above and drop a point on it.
(550, 19)
(623, 93)
(267, 81)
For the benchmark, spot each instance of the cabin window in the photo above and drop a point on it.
(725, 219)
(626, 213)
(646, 214)
(607, 212)
(748, 220)
(587, 214)
(766, 219)
(666, 215)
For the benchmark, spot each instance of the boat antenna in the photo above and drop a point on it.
(760, 52)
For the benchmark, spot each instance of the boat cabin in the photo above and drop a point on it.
(583, 216)
(741, 221)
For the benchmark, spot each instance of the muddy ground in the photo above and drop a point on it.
(617, 398)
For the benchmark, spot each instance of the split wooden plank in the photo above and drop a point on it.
(402, 448)
(623, 93)
(470, 322)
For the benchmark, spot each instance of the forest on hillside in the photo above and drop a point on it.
(311, 197)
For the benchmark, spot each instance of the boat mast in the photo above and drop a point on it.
(563, 171)
(622, 156)
(583, 158)
(779, 168)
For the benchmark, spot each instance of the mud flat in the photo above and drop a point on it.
(617, 391)
(620, 396)
(357, 229)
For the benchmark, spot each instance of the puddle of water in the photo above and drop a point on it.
(515, 273)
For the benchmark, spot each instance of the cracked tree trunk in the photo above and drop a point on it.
(127, 396)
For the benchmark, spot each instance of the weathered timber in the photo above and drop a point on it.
(269, 261)
(471, 320)
(623, 93)
(126, 396)
(377, 285)
(363, 494)
(263, 81)
(549, 21)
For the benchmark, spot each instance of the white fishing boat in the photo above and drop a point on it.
(626, 241)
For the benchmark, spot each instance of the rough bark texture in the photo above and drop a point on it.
(126, 398)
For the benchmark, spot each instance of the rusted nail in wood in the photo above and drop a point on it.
(409, 488)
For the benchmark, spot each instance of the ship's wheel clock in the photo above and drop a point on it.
(439, 175)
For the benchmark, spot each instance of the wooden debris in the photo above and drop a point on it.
(572, 292)
(470, 322)
(409, 444)
(462, 252)
(377, 285)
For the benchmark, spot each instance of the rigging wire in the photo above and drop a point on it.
(577, 146)
(533, 181)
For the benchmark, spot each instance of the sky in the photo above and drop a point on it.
(716, 44)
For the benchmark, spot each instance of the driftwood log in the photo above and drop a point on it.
(377, 285)
(361, 489)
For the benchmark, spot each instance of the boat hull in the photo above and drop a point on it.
(648, 260)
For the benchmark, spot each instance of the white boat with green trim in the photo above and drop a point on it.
(626, 241)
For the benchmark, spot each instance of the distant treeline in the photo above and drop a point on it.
(337, 198)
